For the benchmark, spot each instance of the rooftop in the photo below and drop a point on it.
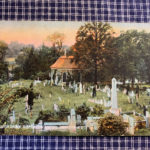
(65, 63)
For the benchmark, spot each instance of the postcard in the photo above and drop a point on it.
(74, 78)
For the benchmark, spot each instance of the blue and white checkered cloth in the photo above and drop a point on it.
(75, 10)
(73, 143)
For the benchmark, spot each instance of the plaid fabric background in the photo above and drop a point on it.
(75, 10)
(79, 10)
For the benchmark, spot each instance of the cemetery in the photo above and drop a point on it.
(52, 97)
(99, 85)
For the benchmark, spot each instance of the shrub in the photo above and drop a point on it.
(23, 121)
(97, 110)
(83, 111)
(3, 119)
(46, 115)
(63, 112)
(24, 91)
(49, 116)
(112, 125)
(140, 124)
(42, 75)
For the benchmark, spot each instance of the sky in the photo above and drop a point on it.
(36, 32)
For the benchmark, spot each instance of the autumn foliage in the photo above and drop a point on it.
(112, 125)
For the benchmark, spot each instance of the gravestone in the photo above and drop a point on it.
(56, 107)
(124, 91)
(72, 123)
(80, 86)
(91, 108)
(68, 119)
(48, 82)
(114, 94)
(72, 117)
(56, 79)
(147, 119)
(76, 88)
(131, 125)
(26, 103)
(78, 119)
(108, 92)
(44, 84)
(14, 118)
(42, 107)
(70, 86)
(148, 91)
(51, 75)
(114, 102)
(132, 96)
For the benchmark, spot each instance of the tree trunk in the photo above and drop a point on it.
(95, 61)
(124, 80)
(95, 78)
(132, 82)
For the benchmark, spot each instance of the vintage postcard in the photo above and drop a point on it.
(74, 78)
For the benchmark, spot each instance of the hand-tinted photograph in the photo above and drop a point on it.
(74, 78)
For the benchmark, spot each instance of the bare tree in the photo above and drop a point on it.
(57, 40)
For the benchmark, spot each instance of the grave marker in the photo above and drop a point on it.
(114, 103)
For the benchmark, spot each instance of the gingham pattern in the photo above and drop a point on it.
(73, 143)
(71, 10)
(75, 10)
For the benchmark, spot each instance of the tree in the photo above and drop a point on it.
(63, 112)
(14, 49)
(83, 110)
(28, 60)
(46, 57)
(3, 64)
(133, 55)
(90, 46)
(112, 125)
(97, 110)
(23, 121)
(34, 62)
(144, 60)
(57, 40)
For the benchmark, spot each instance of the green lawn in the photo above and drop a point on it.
(70, 100)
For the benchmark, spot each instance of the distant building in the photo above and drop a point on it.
(64, 65)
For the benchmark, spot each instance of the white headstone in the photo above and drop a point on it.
(56, 80)
(114, 94)
(56, 107)
(76, 88)
(78, 119)
(42, 107)
(14, 118)
(131, 121)
(81, 91)
(147, 114)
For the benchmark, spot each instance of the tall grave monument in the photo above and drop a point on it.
(114, 102)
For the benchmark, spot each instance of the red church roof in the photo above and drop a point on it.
(64, 62)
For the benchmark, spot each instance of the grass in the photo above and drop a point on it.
(70, 100)
(142, 132)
